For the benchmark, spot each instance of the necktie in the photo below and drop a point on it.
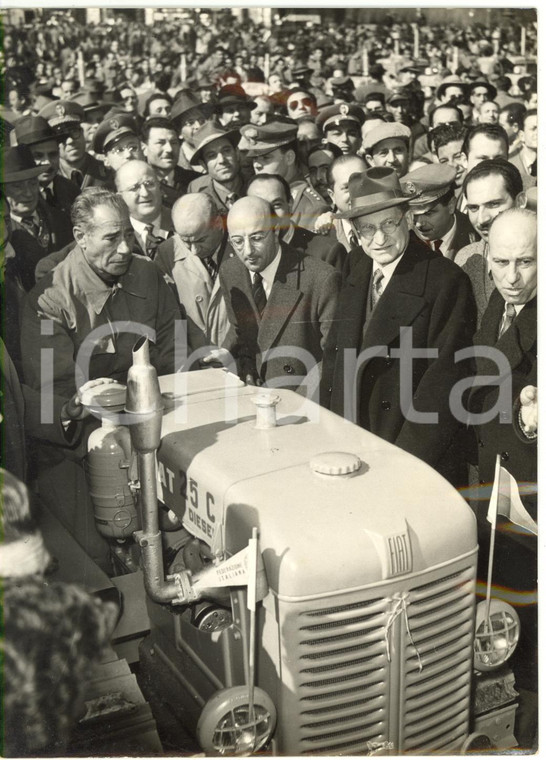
(353, 240)
(151, 242)
(231, 198)
(30, 225)
(210, 266)
(77, 177)
(258, 292)
(508, 318)
(438, 244)
(377, 286)
(47, 194)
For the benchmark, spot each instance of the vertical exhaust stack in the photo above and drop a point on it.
(144, 408)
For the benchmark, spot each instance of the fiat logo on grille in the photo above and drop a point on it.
(399, 553)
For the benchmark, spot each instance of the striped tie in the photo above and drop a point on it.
(377, 286)
(258, 293)
(508, 318)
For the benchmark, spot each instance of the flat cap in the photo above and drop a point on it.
(260, 140)
(339, 112)
(112, 129)
(385, 132)
(428, 183)
(63, 113)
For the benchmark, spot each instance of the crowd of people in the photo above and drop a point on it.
(319, 211)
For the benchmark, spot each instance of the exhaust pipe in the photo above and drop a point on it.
(144, 407)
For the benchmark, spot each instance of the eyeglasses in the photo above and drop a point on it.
(74, 134)
(147, 184)
(119, 149)
(388, 227)
(296, 103)
(257, 238)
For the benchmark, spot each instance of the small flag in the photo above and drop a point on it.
(246, 568)
(506, 501)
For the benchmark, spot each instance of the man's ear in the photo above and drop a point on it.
(144, 147)
(520, 200)
(331, 194)
(79, 237)
(464, 160)
(452, 205)
(290, 156)
(369, 159)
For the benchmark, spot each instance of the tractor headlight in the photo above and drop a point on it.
(496, 637)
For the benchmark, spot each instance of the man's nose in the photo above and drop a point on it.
(484, 215)
(124, 246)
(513, 273)
(390, 156)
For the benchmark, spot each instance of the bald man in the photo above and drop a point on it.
(138, 185)
(509, 325)
(280, 302)
(191, 259)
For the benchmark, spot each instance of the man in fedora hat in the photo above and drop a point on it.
(217, 153)
(38, 229)
(43, 142)
(398, 297)
(188, 115)
(233, 106)
(478, 93)
(76, 164)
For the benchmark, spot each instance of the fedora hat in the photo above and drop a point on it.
(374, 190)
(30, 130)
(491, 91)
(184, 103)
(19, 164)
(208, 133)
(451, 81)
(233, 94)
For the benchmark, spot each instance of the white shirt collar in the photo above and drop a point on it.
(268, 274)
(387, 269)
(517, 306)
(447, 238)
(34, 216)
(289, 234)
(140, 227)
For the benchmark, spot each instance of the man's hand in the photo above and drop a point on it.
(218, 357)
(529, 409)
(73, 409)
(324, 223)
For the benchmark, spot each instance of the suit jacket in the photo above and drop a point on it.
(28, 249)
(517, 160)
(320, 246)
(205, 184)
(201, 299)
(428, 293)
(95, 173)
(464, 234)
(298, 315)
(65, 193)
(182, 178)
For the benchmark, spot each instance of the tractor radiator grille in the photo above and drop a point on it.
(437, 687)
(390, 671)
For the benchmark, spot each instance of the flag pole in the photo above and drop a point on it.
(494, 502)
(251, 604)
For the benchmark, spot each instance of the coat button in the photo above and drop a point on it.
(505, 456)
(336, 348)
(388, 362)
(289, 369)
(481, 443)
(482, 482)
(198, 299)
(385, 405)
(329, 390)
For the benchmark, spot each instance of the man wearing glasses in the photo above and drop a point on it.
(116, 139)
(76, 164)
(279, 302)
(399, 297)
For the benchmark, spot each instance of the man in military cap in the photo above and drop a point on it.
(393, 281)
(94, 111)
(188, 115)
(273, 150)
(117, 139)
(217, 153)
(57, 191)
(65, 117)
(388, 145)
(435, 218)
(341, 125)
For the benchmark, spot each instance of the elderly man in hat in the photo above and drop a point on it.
(76, 164)
(435, 218)
(398, 298)
(117, 140)
(341, 125)
(43, 142)
(218, 155)
(188, 115)
(273, 149)
(388, 145)
(38, 229)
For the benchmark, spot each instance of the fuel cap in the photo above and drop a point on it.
(335, 463)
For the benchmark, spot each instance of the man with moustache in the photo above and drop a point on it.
(491, 187)
(394, 282)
